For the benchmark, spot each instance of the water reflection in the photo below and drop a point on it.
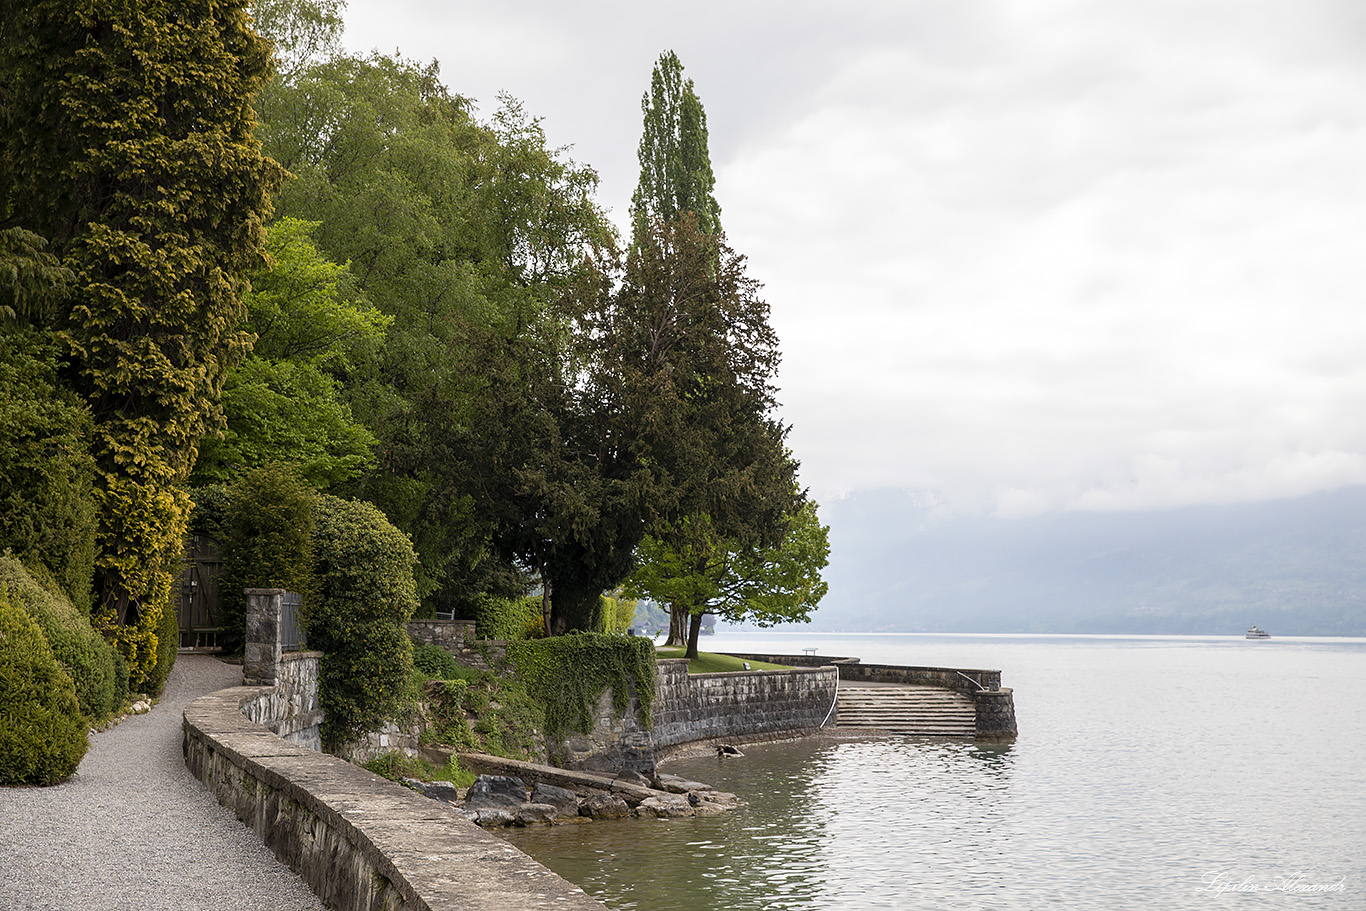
(848, 824)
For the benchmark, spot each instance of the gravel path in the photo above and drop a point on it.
(133, 831)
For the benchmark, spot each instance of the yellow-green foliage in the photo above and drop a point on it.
(89, 661)
(509, 618)
(42, 733)
(126, 142)
(567, 674)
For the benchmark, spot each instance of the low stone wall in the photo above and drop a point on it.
(290, 708)
(741, 706)
(453, 635)
(964, 680)
(360, 842)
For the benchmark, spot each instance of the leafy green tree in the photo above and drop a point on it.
(699, 572)
(285, 403)
(698, 363)
(267, 543)
(126, 142)
(675, 165)
(464, 234)
(700, 353)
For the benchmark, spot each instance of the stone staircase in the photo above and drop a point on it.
(922, 710)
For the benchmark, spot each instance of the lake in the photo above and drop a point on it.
(1150, 773)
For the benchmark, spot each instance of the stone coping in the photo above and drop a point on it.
(415, 853)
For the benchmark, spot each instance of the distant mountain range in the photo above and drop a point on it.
(1292, 567)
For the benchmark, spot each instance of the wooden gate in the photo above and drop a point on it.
(199, 623)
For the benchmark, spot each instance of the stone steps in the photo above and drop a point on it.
(907, 710)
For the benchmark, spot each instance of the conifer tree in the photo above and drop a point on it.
(126, 142)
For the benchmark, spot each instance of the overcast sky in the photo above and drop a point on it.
(1059, 254)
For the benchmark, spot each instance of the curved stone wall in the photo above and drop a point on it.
(743, 705)
(362, 843)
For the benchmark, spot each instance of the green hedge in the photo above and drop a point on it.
(363, 596)
(42, 733)
(509, 618)
(567, 674)
(47, 508)
(97, 671)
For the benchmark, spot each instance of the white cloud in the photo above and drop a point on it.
(1068, 254)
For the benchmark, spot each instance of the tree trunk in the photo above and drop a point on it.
(694, 629)
(678, 626)
(575, 609)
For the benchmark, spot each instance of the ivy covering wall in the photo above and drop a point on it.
(569, 673)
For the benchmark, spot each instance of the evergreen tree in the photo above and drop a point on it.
(675, 166)
(126, 142)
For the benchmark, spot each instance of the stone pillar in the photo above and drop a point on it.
(263, 648)
(995, 714)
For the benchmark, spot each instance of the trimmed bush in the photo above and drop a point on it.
(509, 618)
(363, 595)
(42, 733)
(100, 679)
(267, 543)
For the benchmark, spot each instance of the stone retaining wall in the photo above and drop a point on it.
(743, 705)
(449, 634)
(360, 842)
(995, 703)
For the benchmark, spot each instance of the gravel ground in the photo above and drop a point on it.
(134, 831)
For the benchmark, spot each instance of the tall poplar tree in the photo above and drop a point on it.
(700, 353)
(126, 141)
(675, 165)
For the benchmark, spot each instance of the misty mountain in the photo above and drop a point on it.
(1293, 567)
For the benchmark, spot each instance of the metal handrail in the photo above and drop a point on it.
(834, 702)
(976, 683)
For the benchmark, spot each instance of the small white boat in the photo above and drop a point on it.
(1255, 633)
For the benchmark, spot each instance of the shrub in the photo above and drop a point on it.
(267, 543)
(507, 720)
(567, 674)
(47, 508)
(362, 597)
(396, 765)
(100, 679)
(509, 618)
(42, 733)
(168, 646)
(437, 663)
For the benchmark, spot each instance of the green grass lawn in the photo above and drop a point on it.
(710, 663)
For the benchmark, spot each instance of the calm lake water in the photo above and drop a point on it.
(1150, 773)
